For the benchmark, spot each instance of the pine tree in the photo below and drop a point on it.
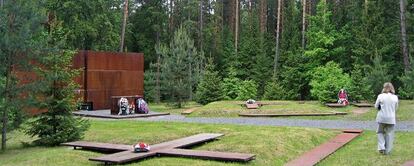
(179, 67)
(378, 75)
(20, 42)
(407, 88)
(231, 84)
(322, 37)
(55, 93)
(360, 89)
(210, 88)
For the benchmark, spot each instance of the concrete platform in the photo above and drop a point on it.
(107, 114)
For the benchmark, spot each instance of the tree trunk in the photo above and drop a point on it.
(191, 82)
(121, 47)
(1, 3)
(229, 14)
(5, 108)
(157, 81)
(404, 36)
(279, 6)
(263, 16)
(171, 18)
(200, 38)
(236, 29)
(304, 24)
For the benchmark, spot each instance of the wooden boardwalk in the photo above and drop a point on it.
(317, 154)
(362, 104)
(169, 148)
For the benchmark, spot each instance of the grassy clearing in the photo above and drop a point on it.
(363, 151)
(233, 108)
(272, 145)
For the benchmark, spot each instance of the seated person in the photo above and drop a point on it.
(342, 97)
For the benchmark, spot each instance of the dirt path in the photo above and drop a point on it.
(360, 110)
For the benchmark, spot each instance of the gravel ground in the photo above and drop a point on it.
(326, 124)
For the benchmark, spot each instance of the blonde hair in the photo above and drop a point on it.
(388, 88)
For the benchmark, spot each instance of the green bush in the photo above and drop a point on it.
(273, 91)
(407, 89)
(209, 89)
(360, 88)
(327, 81)
(231, 85)
(247, 90)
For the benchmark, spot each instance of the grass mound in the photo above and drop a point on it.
(234, 108)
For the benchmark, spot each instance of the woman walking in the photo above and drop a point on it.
(387, 103)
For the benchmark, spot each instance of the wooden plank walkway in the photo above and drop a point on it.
(210, 155)
(317, 154)
(294, 114)
(106, 147)
(363, 104)
(189, 111)
(166, 148)
(409, 163)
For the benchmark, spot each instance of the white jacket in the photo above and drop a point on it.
(389, 105)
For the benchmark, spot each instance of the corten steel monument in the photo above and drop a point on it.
(107, 74)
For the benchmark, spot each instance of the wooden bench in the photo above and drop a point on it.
(115, 99)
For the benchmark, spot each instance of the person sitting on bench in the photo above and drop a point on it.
(342, 97)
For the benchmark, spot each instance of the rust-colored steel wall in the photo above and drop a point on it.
(106, 74)
(103, 74)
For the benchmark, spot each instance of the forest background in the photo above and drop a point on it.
(207, 50)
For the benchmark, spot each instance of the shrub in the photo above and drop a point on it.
(273, 90)
(327, 81)
(231, 85)
(360, 88)
(407, 89)
(247, 90)
(209, 89)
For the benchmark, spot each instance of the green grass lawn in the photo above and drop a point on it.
(272, 145)
(405, 111)
(164, 107)
(363, 151)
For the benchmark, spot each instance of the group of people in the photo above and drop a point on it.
(386, 104)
